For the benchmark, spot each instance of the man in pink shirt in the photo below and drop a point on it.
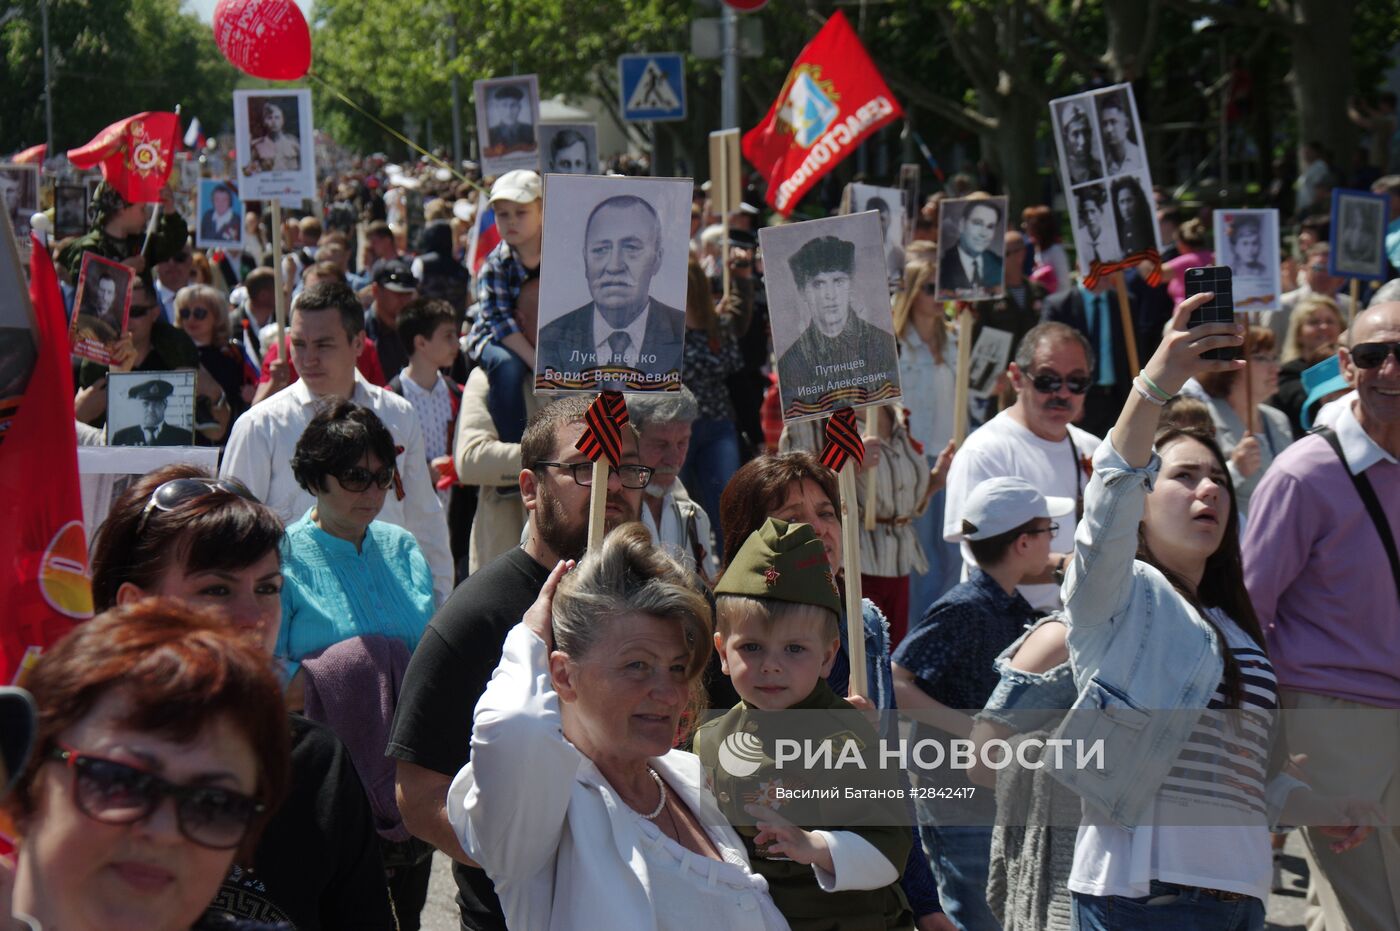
(1326, 586)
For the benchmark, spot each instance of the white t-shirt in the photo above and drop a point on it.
(1002, 446)
(1181, 845)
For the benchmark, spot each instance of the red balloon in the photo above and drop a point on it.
(264, 38)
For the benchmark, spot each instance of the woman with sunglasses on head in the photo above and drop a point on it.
(160, 754)
(1173, 677)
(347, 573)
(178, 533)
(203, 314)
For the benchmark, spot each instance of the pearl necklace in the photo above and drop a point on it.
(656, 777)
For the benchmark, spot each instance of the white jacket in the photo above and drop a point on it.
(561, 847)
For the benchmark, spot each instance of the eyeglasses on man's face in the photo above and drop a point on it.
(631, 476)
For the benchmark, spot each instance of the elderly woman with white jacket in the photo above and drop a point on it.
(574, 802)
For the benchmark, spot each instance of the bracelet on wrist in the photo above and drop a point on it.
(1147, 395)
(1153, 387)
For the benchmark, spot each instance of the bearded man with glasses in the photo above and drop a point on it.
(1034, 439)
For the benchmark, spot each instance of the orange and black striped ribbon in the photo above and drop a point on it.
(602, 435)
(843, 440)
(1098, 269)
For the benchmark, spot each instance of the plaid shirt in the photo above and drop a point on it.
(497, 291)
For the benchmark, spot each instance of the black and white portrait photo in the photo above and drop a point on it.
(507, 114)
(1119, 134)
(1133, 214)
(1247, 242)
(829, 303)
(569, 148)
(1077, 141)
(275, 145)
(1095, 233)
(888, 202)
(101, 304)
(69, 210)
(220, 216)
(150, 408)
(613, 287)
(1358, 234)
(973, 242)
(19, 193)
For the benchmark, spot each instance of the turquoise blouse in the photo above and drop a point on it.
(332, 593)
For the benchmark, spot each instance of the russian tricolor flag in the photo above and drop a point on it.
(484, 238)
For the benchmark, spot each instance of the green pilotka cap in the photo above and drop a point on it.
(785, 562)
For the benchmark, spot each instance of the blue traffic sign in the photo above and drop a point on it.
(653, 86)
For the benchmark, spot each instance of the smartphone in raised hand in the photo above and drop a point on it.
(1218, 281)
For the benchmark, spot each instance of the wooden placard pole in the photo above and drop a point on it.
(1355, 293)
(598, 503)
(1125, 312)
(725, 191)
(964, 365)
(872, 427)
(850, 562)
(1247, 374)
(278, 289)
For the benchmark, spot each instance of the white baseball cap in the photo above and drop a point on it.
(521, 186)
(1005, 503)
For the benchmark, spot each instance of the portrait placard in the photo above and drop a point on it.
(990, 355)
(829, 305)
(1108, 187)
(275, 145)
(888, 202)
(613, 288)
(69, 210)
(19, 194)
(220, 213)
(101, 306)
(189, 171)
(150, 408)
(1247, 242)
(507, 114)
(909, 184)
(1358, 235)
(569, 148)
(973, 241)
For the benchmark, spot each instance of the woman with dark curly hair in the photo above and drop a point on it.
(1133, 215)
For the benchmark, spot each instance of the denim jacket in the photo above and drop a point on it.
(1136, 647)
(879, 678)
(1030, 701)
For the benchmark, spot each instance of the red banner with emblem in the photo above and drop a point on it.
(832, 100)
(136, 154)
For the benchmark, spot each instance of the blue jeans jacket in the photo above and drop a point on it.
(1030, 701)
(879, 678)
(1136, 647)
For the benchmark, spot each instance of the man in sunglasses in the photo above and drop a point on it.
(1034, 439)
(462, 645)
(1322, 570)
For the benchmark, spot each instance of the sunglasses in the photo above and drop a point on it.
(1372, 355)
(357, 478)
(181, 491)
(140, 310)
(631, 476)
(1049, 384)
(115, 793)
(199, 313)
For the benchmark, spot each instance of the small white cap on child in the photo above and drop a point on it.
(521, 186)
(1005, 503)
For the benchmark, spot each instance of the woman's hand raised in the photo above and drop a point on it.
(1178, 358)
(540, 617)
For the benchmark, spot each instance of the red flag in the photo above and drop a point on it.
(44, 578)
(832, 100)
(136, 154)
(34, 155)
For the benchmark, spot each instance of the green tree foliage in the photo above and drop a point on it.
(112, 58)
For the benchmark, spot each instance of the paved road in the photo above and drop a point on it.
(1285, 910)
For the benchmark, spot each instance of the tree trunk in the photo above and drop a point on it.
(1324, 76)
(1132, 27)
(1010, 148)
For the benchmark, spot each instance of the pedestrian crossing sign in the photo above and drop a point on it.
(653, 86)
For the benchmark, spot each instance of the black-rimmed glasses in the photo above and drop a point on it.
(357, 478)
(1372, 355)
(115, 793)
(179, 491)
(631, 476)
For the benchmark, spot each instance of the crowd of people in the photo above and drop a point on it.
(377, 632)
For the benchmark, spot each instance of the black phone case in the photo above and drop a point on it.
(1218, 280)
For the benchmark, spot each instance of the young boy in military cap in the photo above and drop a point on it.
(777, 634)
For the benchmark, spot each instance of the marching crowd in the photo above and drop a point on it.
(375, 633)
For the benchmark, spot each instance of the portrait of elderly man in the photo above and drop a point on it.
(823, 270)
(970, 267)
(504, 130)
(1077, 135)
(274, 150)
(623, 325)
(568, 153)
(154, 395)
